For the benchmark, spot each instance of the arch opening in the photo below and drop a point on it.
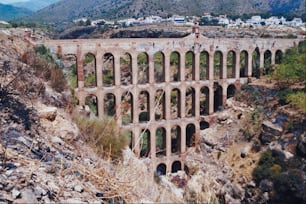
(176, 139)
(189, 66)
(204, 101)
(244, 61)
(108, 70)
(127, 108)
(161, 169)
(126, 69)
(218, 64)
(204, 65)
(175, 104)
(267, 62)
(190, 135)
(161, 103)
(256, 63)
(143, 68)
(231, 64)
(144, 106)
(231, 90)
(159, 67)
(190, 102)
(145, 143)
(91, 101)
(218, 100)
(278, 56)
(160, 142)
(175, 66)
(176, 166)
(70, 63)
(109, 104)
(204, 125)
(89, 69)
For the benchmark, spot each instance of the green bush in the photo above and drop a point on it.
(297, 99)
(104, 136)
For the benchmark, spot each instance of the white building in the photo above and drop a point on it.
(272, 21)
(255, 20)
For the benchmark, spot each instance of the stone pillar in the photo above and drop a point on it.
(134, 69)
(118, 116)
(183, 138)
(211, 66)
(136, 134)
(273, 53)
(224, 66)
(135, 106)
(181, 71)
(168, 141)
(117, 69)
(211, 99)
(167, 67)
(151, 69)
(249, 65)
(182, 102)
(197, 103)
(261, 59)
(100, 97)
(237, 65)
(99, 65)
(80, 71)
(196, 71)
(152, 103)
(153, 143)
(168, 103)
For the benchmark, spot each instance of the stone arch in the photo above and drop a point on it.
(231, 64)
(126, 69)
(160, 102)
(231, 89)
(190, 102)
(204, 65)
(127, 108)
(190, 135)
(176, 139)
(218, 64)
(256, 63)
(89, 70)
(175, 66)
(144, 106)
(189, 66)
(91, 101)
(161, 169)
(159, 67)
(176, 166)
(145, 143)
(109, 104)
(161, 141)
(244, 61)
(143, 68)
(108, 70)
(204, 101)
(267, 61)
(204, 125)
(278, 56)
(175, 104)
(218, 97)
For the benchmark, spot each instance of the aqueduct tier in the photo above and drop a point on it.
(161, 89)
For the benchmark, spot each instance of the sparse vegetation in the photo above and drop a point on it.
(104, 136)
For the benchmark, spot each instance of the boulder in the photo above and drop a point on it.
(48, 113)
(271, 128)
(301, 146)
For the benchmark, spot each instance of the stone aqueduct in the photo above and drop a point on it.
(184, 93)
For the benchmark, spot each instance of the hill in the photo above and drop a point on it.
(9, 12)
(34, 5)
(116, 9)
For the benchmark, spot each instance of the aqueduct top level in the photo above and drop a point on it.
(162, 88)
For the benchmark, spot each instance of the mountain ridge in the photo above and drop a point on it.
(9, 12)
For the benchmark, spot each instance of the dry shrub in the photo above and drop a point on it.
(104, 136)
(57, 79)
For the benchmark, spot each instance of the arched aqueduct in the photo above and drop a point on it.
(163, 90)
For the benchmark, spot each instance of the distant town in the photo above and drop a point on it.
(206, 19)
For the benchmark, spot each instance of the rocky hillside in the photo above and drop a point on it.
(67, 10)
(253, 152)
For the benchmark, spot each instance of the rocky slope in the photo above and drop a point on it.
(43, 156)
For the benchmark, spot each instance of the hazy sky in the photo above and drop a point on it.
(11, 1)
